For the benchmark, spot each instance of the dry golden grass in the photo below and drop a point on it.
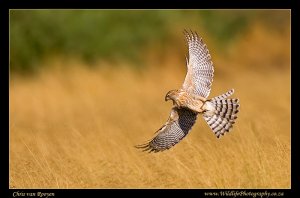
(77, 129)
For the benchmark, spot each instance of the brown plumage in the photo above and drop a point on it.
(191, 100)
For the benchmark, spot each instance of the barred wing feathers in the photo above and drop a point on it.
(200, 69)
(177, 127)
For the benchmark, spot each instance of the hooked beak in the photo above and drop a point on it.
(167, 98)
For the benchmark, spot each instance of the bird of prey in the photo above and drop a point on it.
(191, 100)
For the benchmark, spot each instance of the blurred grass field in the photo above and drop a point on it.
(74, 126)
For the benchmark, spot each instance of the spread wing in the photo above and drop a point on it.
(200, 69)
(177, 127)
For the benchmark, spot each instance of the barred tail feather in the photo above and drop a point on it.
(222, 117)
(223, 96)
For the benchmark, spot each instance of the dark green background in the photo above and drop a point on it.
(120, 34)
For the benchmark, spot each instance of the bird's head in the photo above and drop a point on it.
(171, 95)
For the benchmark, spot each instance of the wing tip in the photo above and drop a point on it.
(150, 148)
(192, 35)
(147, 147)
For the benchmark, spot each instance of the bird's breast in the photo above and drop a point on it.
(194, 103)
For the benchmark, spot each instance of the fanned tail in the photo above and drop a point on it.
(222, 114)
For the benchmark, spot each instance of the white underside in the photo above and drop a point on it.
(209, 108)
